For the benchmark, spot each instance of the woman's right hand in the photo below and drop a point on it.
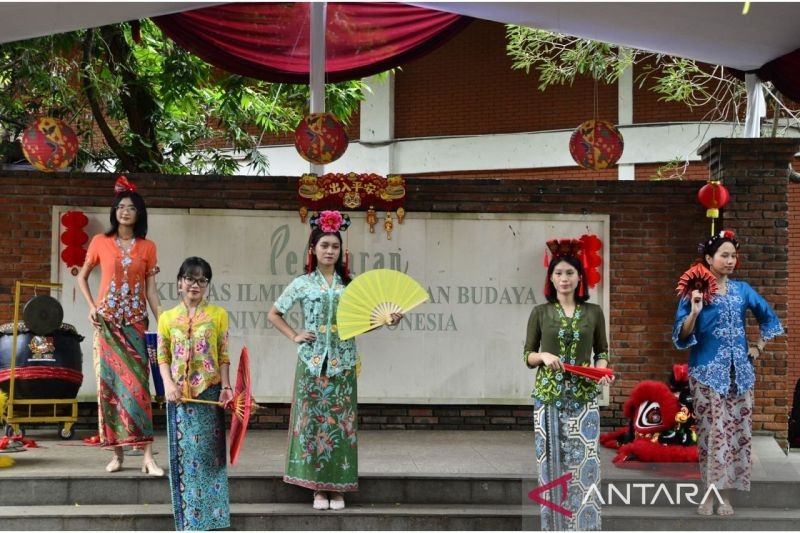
(304, 337)
(93, 316)
(551, 361)
(171, 392)
(697, 302)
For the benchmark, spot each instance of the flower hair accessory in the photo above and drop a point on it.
(723, 234)
(330, 221)
(565, 248)
(123, 185)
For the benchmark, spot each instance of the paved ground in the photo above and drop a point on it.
(413, 453)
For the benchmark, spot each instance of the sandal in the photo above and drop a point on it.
(321, 502)
(337, 501)
(115, 465)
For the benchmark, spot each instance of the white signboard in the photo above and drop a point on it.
(484, 274)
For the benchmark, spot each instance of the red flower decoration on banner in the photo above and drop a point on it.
(596, 145)
(49, 144)
(320, 138)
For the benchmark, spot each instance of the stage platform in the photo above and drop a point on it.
(409, 480)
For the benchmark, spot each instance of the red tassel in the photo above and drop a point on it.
(582, 289)
(347, 261)
(309, 262)
(546, 259)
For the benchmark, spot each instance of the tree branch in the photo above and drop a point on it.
(97, 111)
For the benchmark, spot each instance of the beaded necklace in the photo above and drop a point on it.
(568, 333)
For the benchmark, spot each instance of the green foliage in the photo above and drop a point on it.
(559, 59)
(169, 111)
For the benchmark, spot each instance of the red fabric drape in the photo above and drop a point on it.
(270, 41)
(784, 73)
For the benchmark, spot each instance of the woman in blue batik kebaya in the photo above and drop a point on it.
(721, 369)
(323, 453)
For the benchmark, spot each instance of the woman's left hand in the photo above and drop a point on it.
(753, 352)
(226, 396)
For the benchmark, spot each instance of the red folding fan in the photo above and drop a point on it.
(592, 372)
(697, 278)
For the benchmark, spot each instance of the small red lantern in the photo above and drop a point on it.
(596, 145)
(320, 138)
(74, 238)
(713, 196)
(49, 144)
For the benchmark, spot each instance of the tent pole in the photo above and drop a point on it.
(317, 67)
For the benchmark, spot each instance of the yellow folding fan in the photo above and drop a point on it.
(370, 299)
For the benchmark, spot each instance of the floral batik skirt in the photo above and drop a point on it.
(724, 436)
(566, 450)
(323, 452)
(198, 477)
(122, 370)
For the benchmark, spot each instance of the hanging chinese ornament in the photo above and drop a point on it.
(591, 258)
(73, 237)
(596, 145)
(320, 138)
(49, 144)
(354, 192)
(713, 196)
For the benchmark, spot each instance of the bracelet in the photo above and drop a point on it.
(226, 388)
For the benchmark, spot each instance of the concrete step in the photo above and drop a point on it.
(297, 516)
(130, 487)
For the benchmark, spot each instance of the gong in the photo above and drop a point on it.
(43, 314)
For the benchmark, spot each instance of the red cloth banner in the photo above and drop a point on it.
(270, 41)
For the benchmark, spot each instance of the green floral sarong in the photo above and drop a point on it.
(323, 448)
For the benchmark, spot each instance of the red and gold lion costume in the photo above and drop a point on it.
(661, 427)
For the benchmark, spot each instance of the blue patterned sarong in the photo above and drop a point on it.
(198, 475)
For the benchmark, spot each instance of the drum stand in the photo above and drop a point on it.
(37, 410)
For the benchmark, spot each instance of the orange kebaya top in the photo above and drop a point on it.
(122, 296)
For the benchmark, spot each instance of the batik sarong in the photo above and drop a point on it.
(566, 451)
(121, 366)
(724, 436)
(323, 453)
(198, 477)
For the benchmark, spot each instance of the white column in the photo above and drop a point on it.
(756, 106)
(317, 67)
(377, 124)
(625, 171)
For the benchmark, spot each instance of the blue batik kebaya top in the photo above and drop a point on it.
(719, 338)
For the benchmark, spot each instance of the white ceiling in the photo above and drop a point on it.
(25, 20)
(714, 32)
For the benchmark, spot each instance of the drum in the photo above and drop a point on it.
(47, 366)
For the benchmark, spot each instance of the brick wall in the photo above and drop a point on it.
(654, 229)
(449, 91)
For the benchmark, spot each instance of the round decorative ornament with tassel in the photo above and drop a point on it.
(713, 196)
(596, 145)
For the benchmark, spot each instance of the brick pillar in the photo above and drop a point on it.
(754, 171)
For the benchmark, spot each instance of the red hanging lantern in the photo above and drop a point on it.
(596, 145)
(713, 196)
(74, 238)
(320, 138)
(49, 144)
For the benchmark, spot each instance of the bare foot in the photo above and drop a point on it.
(706, 508)
(725, 508)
